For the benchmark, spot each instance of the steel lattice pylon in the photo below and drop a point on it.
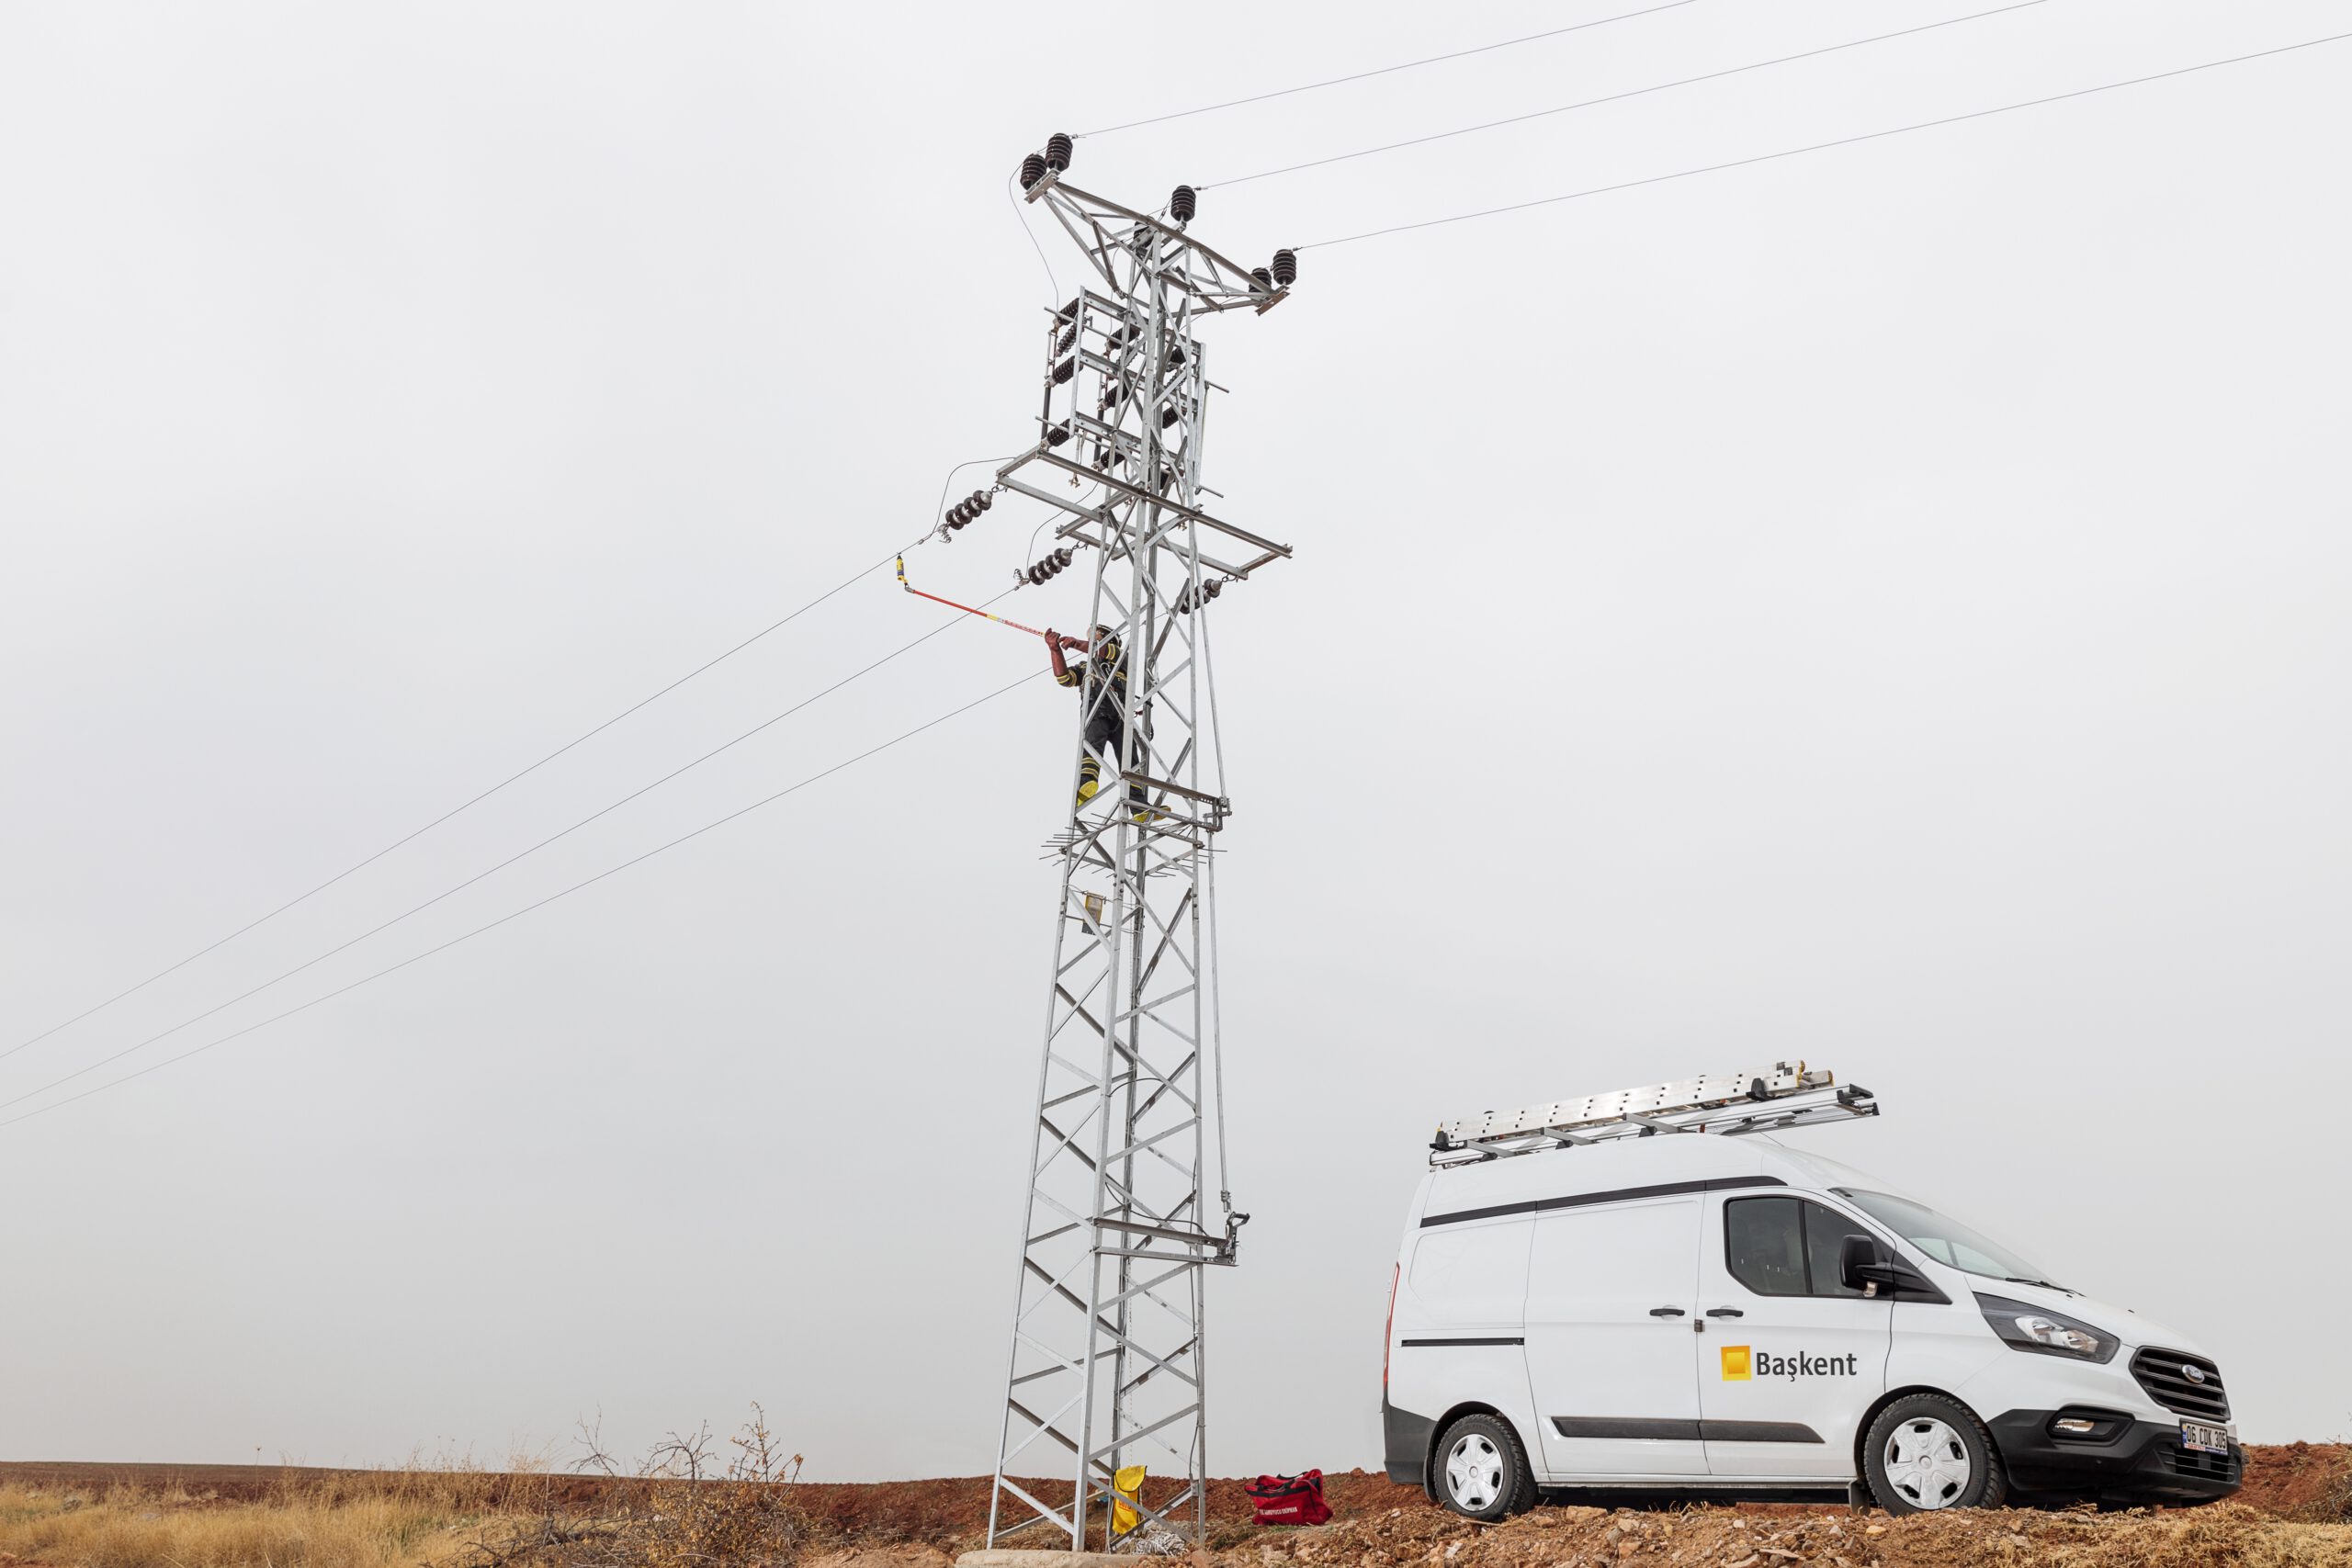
(1106, 1365)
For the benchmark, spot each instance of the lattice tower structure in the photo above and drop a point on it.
(1107, 1365)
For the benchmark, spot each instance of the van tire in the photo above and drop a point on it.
(1480, 1470)
(1967, 1468)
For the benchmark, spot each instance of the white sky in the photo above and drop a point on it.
(1884, 606)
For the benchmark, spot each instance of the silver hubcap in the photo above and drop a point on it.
(1474, 1473)
(1927, 1463)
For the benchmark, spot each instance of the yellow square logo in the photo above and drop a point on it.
(1735, 1363)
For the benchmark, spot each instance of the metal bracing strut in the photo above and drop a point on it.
(1107, 1365)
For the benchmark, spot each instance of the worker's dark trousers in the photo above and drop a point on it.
(1105, 741)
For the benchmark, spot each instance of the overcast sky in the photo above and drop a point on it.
(1886, 606)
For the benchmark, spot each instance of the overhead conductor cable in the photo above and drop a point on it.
(462, 807)
(1618, 98)
(585, 736)
(1825, 146)
(519, 914)
(488, 871)
(1386, 70)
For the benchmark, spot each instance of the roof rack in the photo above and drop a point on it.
(1786, 1095)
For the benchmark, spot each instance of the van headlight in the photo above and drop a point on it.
(2044, 1332)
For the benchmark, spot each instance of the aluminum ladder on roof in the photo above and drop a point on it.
(1785, 1095)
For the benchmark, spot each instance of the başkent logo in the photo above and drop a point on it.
(1741, 1364)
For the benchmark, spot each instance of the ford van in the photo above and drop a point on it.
(1619, 1293)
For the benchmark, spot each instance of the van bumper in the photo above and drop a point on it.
(1405, 1444)
(2137, 1461)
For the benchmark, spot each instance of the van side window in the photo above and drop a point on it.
(1764, 1245)
(1785, 1247)
(1825, 1230)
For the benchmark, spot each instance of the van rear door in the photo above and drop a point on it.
(1610, 1289)
(1791, 1358)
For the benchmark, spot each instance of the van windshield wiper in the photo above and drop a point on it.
(2045, 1284)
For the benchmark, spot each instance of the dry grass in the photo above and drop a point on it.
(2335, 1504)
(686, 1506)
(406, 1521)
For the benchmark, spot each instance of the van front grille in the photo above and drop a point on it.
(2166, 1377)
(2202, 1466)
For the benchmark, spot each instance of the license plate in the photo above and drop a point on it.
(2203, 1438)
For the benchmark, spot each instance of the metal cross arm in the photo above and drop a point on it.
(1083, 516)
(1107, 232)
(1220, 1243)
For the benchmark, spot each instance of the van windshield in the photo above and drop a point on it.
(1946, 1241)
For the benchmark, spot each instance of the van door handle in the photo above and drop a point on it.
(1725, 1312)
(1666, 1312)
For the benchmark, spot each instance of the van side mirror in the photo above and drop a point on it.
(1863, 1266)
(1856, 1257)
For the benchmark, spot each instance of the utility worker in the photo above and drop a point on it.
(1103, 684)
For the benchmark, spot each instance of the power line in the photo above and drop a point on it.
(1053, 284)
(468, 882)
(528, 908)
(1618, 98)
(512, 778)
(1386, 70)
(455, 810)
(1823, 146)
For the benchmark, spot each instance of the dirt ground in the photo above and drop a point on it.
(2295, 1512)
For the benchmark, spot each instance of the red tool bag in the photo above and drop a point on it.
(1290, 1499)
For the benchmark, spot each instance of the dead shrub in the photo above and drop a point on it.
(684, 1505)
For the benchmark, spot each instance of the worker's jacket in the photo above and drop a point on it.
(1105, 664)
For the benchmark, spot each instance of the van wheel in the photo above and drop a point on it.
(1925, 1451)
(1482, 1470)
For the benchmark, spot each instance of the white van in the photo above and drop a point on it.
(1581, 1302)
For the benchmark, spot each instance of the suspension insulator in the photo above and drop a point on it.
(1033, 169)
(1285, 267)
(1189, 600)
(1038, 572)
(1056, 435)
(1180, 206)
(1065, 370)
(1167, 416)
(1057, 151)
(1069, 335)
(983, 499)
(1265, 279)
(1175, 354)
